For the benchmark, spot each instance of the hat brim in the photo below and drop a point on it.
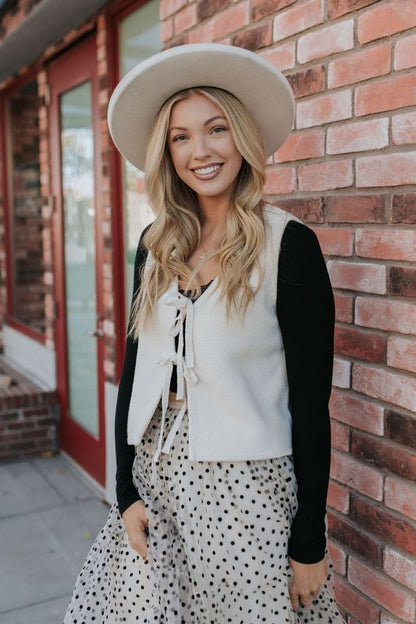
(135, 102)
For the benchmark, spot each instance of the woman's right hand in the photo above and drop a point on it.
(136, 523)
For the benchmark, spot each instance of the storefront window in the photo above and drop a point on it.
(139, 37)
(28, 290)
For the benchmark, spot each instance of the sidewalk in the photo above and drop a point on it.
(49, 518)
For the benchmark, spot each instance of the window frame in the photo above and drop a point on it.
(6, 156)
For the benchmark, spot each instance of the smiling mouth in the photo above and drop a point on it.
(207, 171)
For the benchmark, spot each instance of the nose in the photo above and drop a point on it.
(201, 148)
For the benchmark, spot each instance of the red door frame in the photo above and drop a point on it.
(114, 16)
(74, 67)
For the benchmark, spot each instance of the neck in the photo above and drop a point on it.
(214, 213)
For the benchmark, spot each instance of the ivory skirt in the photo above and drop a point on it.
(217, 545)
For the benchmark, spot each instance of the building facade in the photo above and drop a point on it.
(72, 211)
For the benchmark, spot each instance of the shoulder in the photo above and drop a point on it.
(295, 232)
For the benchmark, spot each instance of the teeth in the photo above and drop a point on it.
(207, 170)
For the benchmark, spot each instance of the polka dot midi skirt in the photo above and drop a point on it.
(217, 545)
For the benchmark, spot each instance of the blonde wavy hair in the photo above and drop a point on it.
(176, 230)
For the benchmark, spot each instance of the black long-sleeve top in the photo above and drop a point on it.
(306, 315)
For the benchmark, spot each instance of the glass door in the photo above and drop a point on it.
(73, 84)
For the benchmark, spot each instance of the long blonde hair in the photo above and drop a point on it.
(176, 230)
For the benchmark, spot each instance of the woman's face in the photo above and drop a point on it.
(202, 148)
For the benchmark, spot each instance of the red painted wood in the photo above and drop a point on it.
(71, 69)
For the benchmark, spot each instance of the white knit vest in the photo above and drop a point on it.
(233, 376)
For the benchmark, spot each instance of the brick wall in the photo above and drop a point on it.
(349, 170)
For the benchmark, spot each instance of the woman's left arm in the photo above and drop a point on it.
(306, 314)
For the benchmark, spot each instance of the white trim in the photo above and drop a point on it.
(89, 480)
(30, 357)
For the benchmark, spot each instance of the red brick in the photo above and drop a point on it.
(383, 454)
(231, 19)
(386, 170)
(356, 412)
(208, 8)
(338, 558)
(168, 7)
(381, 384)
(401, 428)
(358, 137)
(398, 316)
(282, 56)
(400, 568)
(355, 474)
(308, 81)
(340, 436)
(254, 38)
(404, 208)
(341, 376)
(261, 8)
(401, 353)
(336, 8)
(205, 33)
(355, 603)
(343, 308)
(405, 53)
(335, 241)
(378, 587)
(389, 244)
(324, 109)
(186, 18)
(362, 276)
(324, 176)
(328, 40)
(166, 30)
(338, 497)
(353, 538)
(307, 209)
(386, 20)
(397, 92)
(401, 281)
(363, 345)
(301, 146)
(404, 128)
(297, 19)
(280, 181)
(356, 209)
(400, 495)
(358, 66)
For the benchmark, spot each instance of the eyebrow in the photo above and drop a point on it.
(208, 121)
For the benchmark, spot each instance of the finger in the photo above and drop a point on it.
(295, 604)
(306, 599)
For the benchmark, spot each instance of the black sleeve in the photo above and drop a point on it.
(126, 492)
(306, 314)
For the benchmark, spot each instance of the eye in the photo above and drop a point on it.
(219, 129)
(179, 138)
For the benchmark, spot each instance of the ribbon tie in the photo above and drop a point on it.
(184, 366)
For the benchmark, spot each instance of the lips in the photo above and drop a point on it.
(208, 172)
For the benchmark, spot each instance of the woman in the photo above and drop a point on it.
(222, 426)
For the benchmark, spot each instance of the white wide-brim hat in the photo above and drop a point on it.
(138, 97)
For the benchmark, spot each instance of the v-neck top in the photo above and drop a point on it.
(306, 314)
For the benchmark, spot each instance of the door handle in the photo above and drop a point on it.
(96, 333)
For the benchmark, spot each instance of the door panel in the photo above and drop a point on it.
(77, 252)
